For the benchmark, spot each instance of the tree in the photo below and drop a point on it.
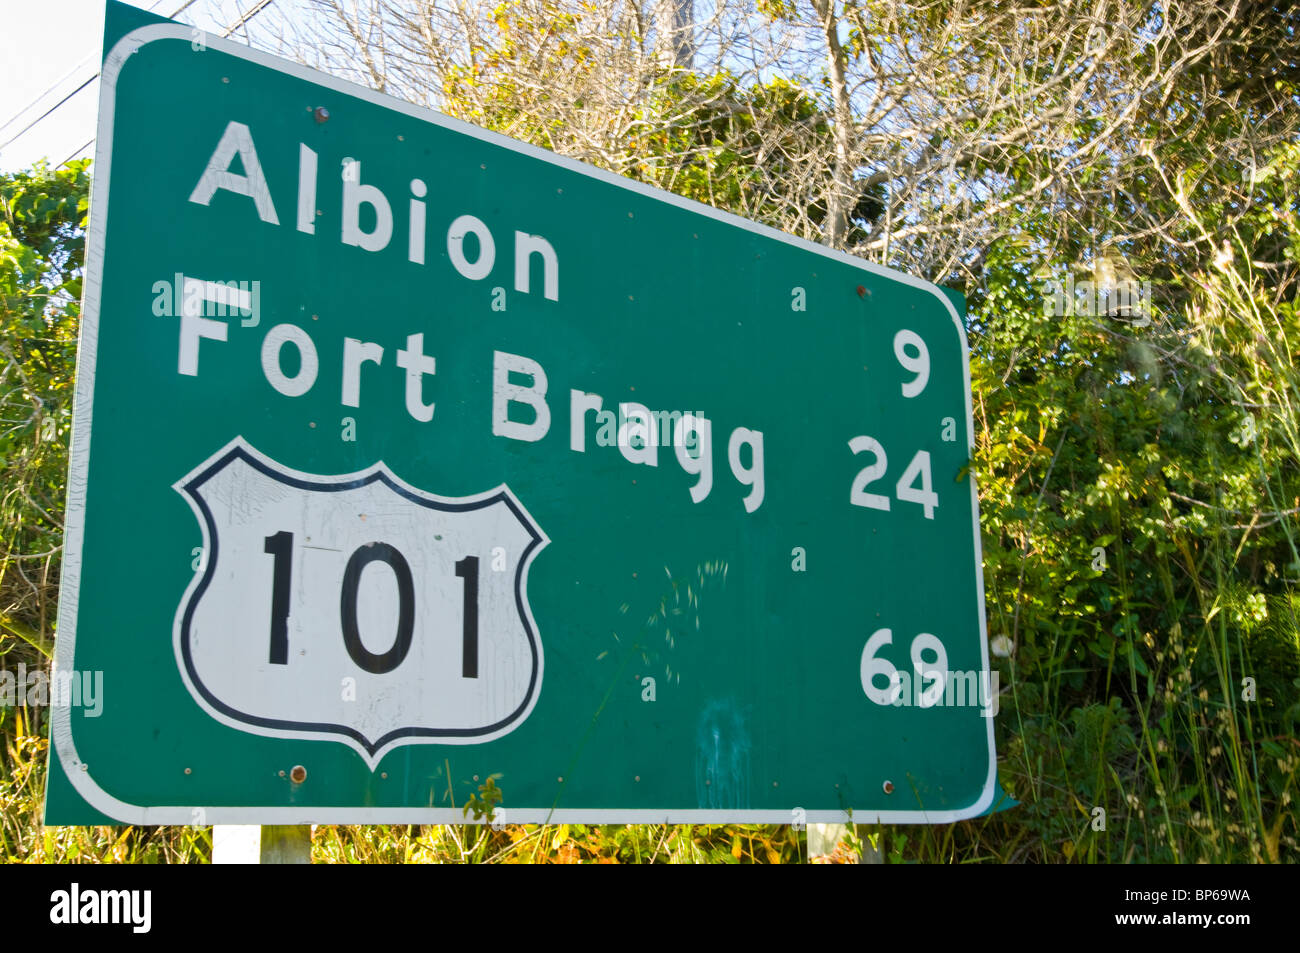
(42, 244)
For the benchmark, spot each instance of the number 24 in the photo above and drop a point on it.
(906, 489)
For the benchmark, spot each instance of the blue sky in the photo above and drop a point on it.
(32, 80)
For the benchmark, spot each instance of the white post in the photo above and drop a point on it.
(271, 844)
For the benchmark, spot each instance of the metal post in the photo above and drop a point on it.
(271, 844)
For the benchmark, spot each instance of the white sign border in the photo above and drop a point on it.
(62, 742)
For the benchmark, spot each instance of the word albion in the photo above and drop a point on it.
(237, 140)
(637, 435)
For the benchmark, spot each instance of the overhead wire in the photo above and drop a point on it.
(62, 80)
(27, 128)
(262, 5)
(52, 87)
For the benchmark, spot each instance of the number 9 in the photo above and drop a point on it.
(936, 670)
(918, 365)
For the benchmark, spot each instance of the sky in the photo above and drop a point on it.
(34, 78)
(50, 48)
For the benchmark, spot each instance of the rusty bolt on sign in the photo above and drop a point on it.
(298, 774)
(321, 114)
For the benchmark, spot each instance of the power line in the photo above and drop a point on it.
(183, 8)
(89, 56)
(247, 16)
(53, 86)
(47, 112)
(234, 26)
(75, 154)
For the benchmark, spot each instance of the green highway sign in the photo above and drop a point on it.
(407, 455)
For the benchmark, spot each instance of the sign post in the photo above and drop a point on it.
(406, 455)
(270, 844)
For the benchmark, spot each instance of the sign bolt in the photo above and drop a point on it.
(321, 113)
(298, 774)
(888, 787)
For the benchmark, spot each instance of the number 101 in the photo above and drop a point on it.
(280, 546)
